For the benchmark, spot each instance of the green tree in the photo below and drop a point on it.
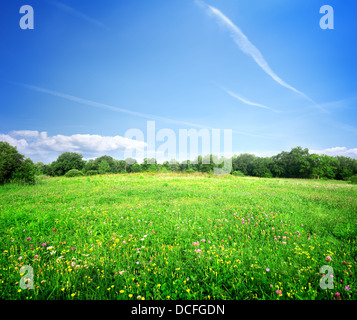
(323, 166)
(110, 161)
(136, 168)
(104, 167)
(40, 167)
(242, 163)
(67, 161)
(14, 166)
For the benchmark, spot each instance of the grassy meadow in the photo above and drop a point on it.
(176, 236)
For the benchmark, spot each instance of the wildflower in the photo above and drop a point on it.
(28, 238)
(121, 291)
(137, 262)
(283, 242)
(36, 256)
(195, 243)
(43, 244)
(328, 258)
(73, 248)
(20, 258)
(198, 250)
(121, 272)
(338, 296)
(347, 288)
(278, 292)
(73, 264)
(50, 248)
(130, 295)
(267, 269)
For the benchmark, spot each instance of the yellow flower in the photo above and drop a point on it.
(130, 295)
(143, 298)
(159, 285)
(121, 291)
(188, 290)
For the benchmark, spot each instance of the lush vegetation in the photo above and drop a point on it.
(178, 236)
(298, 163)
(14, 167)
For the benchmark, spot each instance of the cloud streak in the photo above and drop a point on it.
(125, 111)
(249, 103)
(77, 14)
(248, 48)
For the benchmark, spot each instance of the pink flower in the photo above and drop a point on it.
(338, 296)
(195, 243)
(278, 292)
(267, 269)
(43, 244)
(28, 238)
(283, 242)
(121, 272)
(328, 258)
(203, 240)
(347, 288)
(20, 258)
(198, 250)
(73, 264)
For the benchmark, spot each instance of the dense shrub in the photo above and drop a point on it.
(67, 161)
(14, 166)
(353, 179)
(25, 173)
(92, 172)
(74, 173)
(238, 173)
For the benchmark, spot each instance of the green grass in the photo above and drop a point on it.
(147, 225)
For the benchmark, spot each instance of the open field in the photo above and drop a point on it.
(142, 236)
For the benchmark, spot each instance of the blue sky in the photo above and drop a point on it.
(89, 71)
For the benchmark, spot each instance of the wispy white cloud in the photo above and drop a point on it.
(248, 48)
(337, 151)
(249, 103)
(78, 14)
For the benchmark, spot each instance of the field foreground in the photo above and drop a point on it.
(141, 236)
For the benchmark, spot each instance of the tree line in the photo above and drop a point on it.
(297, 163)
